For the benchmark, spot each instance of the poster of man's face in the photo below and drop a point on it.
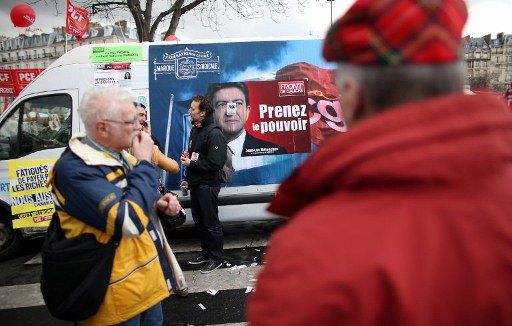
(231, 110)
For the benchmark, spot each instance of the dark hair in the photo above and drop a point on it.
(214, 88)
(204, 104)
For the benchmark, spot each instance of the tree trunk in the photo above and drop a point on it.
(176, 16)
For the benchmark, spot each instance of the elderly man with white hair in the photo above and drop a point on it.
(103, 190)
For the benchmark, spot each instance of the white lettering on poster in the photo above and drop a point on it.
(298, 112)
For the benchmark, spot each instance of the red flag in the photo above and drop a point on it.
(77, 20)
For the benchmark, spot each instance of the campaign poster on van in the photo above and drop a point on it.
(278, 121)
(31, 201)
(177, 72)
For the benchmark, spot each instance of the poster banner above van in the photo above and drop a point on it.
(274, 100)
(116, 53)
(31, 202)
(12, 81)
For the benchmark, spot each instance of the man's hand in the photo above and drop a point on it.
(169, 204)
(142, 146)
(185, 160)
(145, 127)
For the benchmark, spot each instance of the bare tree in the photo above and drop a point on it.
(149, 15)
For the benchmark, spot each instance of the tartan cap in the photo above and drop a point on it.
(394, 32)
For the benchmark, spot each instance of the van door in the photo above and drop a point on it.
(37, 126)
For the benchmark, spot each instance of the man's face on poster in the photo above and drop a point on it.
(231, 110)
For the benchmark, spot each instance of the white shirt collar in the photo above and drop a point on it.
(237, 144)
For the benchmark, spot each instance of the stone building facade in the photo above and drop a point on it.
(490, 59)
(39, 50)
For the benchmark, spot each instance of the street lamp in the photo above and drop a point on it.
(331, 9)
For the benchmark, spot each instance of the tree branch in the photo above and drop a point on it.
(163, 14)
(208, 11)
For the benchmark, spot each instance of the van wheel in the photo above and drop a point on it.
(10, 239)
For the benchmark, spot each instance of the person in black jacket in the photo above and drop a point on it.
(204, 159)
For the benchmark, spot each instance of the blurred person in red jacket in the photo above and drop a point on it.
(407, 217)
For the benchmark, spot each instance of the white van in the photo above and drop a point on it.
(290, 106)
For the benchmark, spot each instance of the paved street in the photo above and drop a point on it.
(21, 302)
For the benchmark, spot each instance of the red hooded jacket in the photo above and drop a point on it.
(404, 220)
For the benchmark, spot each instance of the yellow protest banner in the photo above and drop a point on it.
(31, 201)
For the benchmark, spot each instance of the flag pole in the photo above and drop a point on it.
(66, 28)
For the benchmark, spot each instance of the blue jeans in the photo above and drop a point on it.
(151, 317)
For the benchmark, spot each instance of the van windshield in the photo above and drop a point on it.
(36, 124)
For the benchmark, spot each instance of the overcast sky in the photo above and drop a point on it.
(485, 16)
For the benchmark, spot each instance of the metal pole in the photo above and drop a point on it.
(331, 9)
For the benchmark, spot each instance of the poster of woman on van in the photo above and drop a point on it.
(113, 74)
(275, 103)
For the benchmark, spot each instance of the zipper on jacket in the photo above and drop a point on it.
(133, 271)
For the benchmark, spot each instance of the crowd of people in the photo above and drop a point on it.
(406, 220)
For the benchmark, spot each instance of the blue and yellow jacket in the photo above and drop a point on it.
(95, 194)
